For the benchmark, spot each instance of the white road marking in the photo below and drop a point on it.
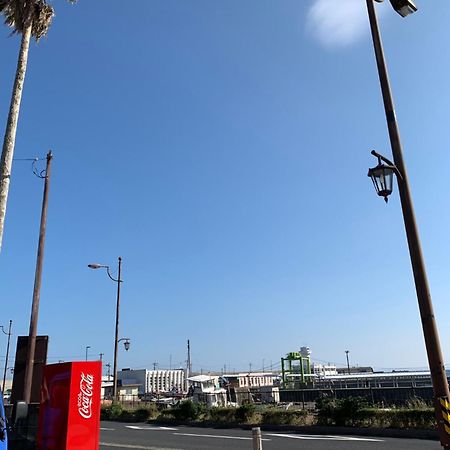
(325, 438)
(217, 436)
(138, 427)
(139, 447)
(107, 429)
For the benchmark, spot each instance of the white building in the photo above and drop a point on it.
(206, 389)
(324, 370)
(154, 381)
(253, 379)
(106, 387)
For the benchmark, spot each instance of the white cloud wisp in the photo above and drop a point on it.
(337, 23)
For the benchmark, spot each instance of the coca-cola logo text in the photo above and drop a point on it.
(85, 395)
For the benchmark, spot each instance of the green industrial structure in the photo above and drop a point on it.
(296, 369)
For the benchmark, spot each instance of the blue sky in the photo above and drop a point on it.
(221, 148)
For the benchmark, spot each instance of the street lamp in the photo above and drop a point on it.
(87, 348)
(126, 344)
(117, 280)
(403, 7)
(7, 353)
(348, 363)
(430, 332)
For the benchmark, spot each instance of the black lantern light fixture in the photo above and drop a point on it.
(126, 344)
(382, 176)
(403, 7)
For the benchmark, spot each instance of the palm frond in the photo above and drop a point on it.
(13, 10)
(19, 13)
(42, 16)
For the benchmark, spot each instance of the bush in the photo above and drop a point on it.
(223, 415)
(354, 412)
(245, 413)
(274, 416)
(342, 412)
(117, 412)
(111, 412)
(126, 416)
(144, 414)
(188, 410)
(402, 418)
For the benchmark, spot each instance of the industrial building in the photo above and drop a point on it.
(154, 381)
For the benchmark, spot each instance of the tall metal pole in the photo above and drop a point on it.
(7, 356)
(348, 362)
(188, 365)
(430, 332)
(116, 338)
(37, 286)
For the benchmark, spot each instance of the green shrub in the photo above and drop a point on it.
(111, 412)
(245, 413)
(188, 410)
(144, 414)
(402, 418)
(354, 412)
(223, 415)
(326, 407)
(346, 413)
(166, 414)
(126, 416)
(105, 413)
(342, 412)
(275, 416)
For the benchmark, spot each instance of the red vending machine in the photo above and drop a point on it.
(69, 415)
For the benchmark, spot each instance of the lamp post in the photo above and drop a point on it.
(378, 175)
(117, 280)
(7, 353)
(348, 363)
(126, 343)
(87, 348)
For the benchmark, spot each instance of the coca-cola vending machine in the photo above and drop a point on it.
(69, 415)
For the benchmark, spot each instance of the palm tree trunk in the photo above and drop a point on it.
(11, 127)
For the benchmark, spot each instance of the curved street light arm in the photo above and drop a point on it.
(389, 163)
(110, 276)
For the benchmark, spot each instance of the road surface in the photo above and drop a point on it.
(125, 436)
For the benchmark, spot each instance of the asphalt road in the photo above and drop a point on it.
(121, 436)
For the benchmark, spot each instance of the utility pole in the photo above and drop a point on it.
(189, 364)
(348, 364)
(429, 326)
(28, 379)
(154, 365)
(7, 354)
(101, 356)
(116, 333)
(108, 373)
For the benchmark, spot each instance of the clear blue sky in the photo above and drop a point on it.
(221, 148)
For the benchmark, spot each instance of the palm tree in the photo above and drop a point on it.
(31, 18)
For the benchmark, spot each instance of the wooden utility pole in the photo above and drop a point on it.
(37, 284)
